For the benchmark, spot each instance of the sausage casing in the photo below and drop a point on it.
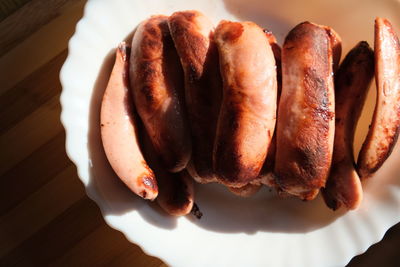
(306, 126)
(192, 33)
(352, 81)
(248, 111)
(385, 127)
(119, 132)
(157, 85)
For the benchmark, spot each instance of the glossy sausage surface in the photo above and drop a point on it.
(157, 85)
(248, 112)
(119, 131)
(192, 33)
(305, 128)
(266, 176)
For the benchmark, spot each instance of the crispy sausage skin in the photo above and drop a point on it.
(247, 118)
(306, 126)
(119, 132)
(385, 127)
(352, 81)
(157, 85)
(176, 193)
(192, 33)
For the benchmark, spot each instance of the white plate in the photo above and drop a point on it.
(259, 231)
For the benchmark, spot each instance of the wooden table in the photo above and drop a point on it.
(45, 216)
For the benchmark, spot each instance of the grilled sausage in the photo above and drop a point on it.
(192, 35)
(247, 118)
(245, 191)
(352, 81)
(305, 128)
(176, 193)
(119, 132)
(266, 174)
(385, 127)
(157, 85)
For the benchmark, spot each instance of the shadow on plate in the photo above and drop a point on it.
(222, 211)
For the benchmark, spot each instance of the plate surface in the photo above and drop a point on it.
(258, 231)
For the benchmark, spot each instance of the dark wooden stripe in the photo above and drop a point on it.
(7, 7)
(99, 241)
(51, 241)
(22, 23)
(31, 93)
(33, 172)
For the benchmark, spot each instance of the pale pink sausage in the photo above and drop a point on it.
(119, 132)
(385, 127)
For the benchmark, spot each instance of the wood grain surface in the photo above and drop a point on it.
(45, 216)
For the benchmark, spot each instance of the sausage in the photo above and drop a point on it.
(245, 191)
(336, 46)
(385, 127)
(276, 49)
(192, 33)
(266, 174)
(156, 79)
(247, 117)
(306, 126)
(352, 81)
(176, 193)
(119, 132)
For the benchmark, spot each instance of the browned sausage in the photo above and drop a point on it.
(157, 84)
(176, 193)
(352, 81)
(192, 35)
(305, 128)
(119, 131)
(385, 127)
(245, 191)
(247, 118)
(266, 174)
